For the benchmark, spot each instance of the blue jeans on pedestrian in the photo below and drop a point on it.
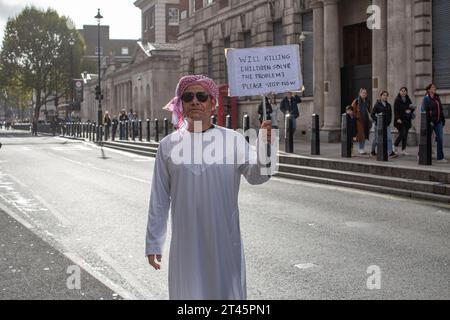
(362, 145)
(389, 139)
(439, 131)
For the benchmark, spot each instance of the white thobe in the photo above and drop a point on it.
(206, 259)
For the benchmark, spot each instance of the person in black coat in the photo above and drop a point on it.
(404, 114)
(432, 106)
(383, 107)
(290, 105)
(268, 110)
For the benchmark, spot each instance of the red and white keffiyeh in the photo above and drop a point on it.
(176, 105)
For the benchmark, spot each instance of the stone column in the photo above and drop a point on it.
(379, 53)
(397, 40)
(332, 72)
(318, 18)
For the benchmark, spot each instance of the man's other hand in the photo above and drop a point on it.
(152, 262)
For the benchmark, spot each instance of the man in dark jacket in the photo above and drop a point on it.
(290, 105)
(432, 105)
(383, 107)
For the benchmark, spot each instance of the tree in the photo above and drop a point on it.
(36, 55)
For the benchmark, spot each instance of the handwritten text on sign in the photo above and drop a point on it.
(257, 71)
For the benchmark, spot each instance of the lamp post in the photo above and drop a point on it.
(99, 88)
(71, 43)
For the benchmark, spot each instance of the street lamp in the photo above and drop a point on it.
(98, 89)
(71, 43)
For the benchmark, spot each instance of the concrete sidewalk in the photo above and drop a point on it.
(333, 151)
(31, 269)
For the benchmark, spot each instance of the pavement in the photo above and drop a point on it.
(302, 240)
(333, 151)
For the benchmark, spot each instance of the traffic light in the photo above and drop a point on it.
(97, 92)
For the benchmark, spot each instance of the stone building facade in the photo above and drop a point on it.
(348, 44)
(147, 82)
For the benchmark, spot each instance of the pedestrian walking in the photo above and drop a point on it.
(289, 105)
(123, 118)
(383, 107)
(115, 124)
(432, 106)
(351, 123)
(275, 116)
(361, 108)
(403, 117)
(268, 111)
(107, 124)
(206, 254)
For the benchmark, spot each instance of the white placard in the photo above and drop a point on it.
(257, 71)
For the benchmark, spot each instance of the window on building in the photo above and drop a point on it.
(151, 18)
(441, 43)
(278, 33)
(210, 59)
(191, 6)
(173, 14)
(124, 51)
(247, 39)
(208, 2)
(307, 54)
(101, 50)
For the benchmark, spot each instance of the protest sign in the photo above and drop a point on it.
(258, 71)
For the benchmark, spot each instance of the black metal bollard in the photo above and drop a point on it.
(140, 130)
(156, 130)
(133, 130)
(120, 130)
(98, 133)
(166, 127)
(246, 126)
(289, 134)
(214, 120)
(148, 130)
(382, 144)
(126, 130)
(315, 135)
(79, 129)
(89, 128)
(346, 138)
(425, 144)
(228, 122)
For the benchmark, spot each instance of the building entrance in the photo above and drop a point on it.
(357, 70)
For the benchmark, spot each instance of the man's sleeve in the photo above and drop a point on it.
(252, 169)
(159, 207)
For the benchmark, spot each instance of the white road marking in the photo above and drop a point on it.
(105, 170)
(305, 266)
(70, 148)
(125, 274)
(16, 217)
(66, 221)
(97, 275)
(124, 153)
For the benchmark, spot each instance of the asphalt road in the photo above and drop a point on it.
(302, 240)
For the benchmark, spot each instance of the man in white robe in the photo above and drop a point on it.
(206, 258)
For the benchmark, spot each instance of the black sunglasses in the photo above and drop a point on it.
(189, 96)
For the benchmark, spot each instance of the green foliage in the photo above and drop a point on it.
(36, 55)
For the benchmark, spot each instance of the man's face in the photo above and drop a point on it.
(289, 95)
(195, 107)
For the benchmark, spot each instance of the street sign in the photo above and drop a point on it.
(259, 71)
